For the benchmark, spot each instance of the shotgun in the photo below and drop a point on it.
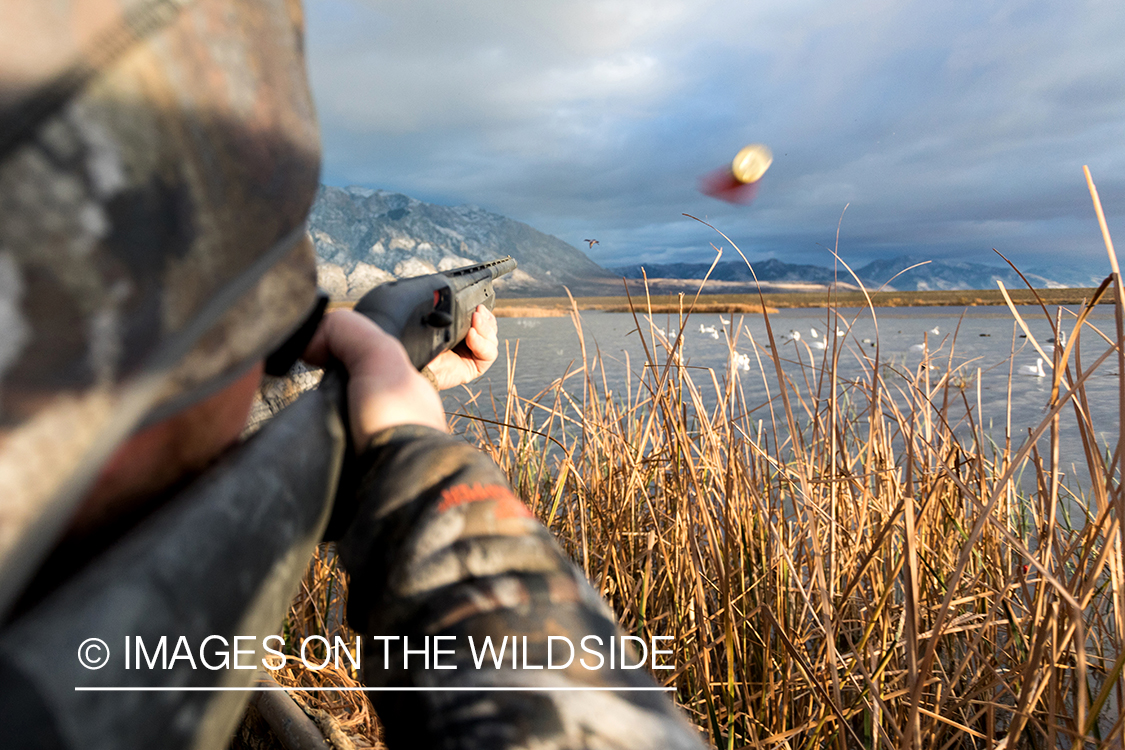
(430, 314)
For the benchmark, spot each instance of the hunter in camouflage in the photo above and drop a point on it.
(156, 166)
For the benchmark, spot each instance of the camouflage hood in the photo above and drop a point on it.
(157, 161)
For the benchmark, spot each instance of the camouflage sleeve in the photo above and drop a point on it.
(466, 600)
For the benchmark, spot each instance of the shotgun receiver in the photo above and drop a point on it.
(430, 314)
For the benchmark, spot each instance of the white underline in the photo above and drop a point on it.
(151, 689)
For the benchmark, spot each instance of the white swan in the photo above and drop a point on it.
(935, 331)
(1037, 371)
(813, 333)
(724, 321)
(794, 334)
(820, 344)
(918, 348)
(739, 361)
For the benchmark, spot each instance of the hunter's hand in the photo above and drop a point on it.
(384, 389)
(473, 357)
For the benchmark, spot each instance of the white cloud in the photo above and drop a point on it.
(398, 67)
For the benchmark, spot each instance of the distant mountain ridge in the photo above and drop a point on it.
(935, 275)
(364, 237)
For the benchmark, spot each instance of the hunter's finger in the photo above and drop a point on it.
(484, 321)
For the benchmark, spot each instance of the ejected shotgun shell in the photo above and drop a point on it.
(739, 182)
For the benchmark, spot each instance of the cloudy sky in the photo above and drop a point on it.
(945, 131)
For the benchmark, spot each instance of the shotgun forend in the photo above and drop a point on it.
(431, 314)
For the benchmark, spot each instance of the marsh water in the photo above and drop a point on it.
(982, 347)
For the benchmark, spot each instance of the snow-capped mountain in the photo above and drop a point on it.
(364, 237)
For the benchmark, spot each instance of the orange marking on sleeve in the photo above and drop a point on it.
(507, 506)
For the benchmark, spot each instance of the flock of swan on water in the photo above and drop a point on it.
(816, 341)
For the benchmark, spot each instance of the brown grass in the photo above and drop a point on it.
(725, 302)
(851, 564)
(561, 306)
(528, 311)
(700, 307)
(318, 609)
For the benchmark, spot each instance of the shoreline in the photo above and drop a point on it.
(557, 307)
(747, 303)
(549, 307)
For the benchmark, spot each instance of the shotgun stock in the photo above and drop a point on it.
(217, 564)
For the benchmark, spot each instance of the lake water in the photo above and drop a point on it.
(983, 339)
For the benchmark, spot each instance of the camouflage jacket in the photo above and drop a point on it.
(443, 558)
